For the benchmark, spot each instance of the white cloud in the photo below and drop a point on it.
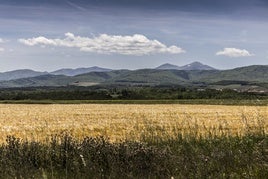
(2, 49)
(37, 41)
(1, 40)
(107, 44)
(234, 52)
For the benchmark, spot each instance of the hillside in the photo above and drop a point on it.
(27, 73)
(150, 77)
(17, 74)
(251, 74)
(78, 71)
(91, 78)
(255, 73)
(44, 80)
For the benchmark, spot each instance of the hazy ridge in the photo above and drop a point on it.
(194, 74)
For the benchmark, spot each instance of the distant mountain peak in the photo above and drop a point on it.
(197, 66)
(168, 66)
(192, 66)
(196, 63)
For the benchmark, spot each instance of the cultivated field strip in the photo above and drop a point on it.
(132, 122)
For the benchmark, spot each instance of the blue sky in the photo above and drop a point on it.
(50, 34)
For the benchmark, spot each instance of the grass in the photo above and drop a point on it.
(182, 157)
(133, 141)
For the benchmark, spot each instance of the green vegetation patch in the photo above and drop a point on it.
(191, 157)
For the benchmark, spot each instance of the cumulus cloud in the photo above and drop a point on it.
(234, 52)
(107, 44)
(1, 40)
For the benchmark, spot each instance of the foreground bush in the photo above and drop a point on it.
(65, 157)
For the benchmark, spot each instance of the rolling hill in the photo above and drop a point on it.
(27, 73)
(255, 73)
(17, 74)
(78, 71)
(243, 75)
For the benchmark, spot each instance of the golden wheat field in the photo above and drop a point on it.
(132, 122)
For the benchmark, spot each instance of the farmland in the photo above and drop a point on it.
(132, 121)
(133, 141)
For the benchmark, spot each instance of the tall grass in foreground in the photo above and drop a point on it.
(181, 157)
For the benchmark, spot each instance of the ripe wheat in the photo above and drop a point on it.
(133, 122)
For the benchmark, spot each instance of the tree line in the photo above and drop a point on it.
(126, 93)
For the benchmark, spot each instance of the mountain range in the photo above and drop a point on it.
(195, 74)
(27, 73)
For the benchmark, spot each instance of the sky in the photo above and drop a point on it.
(47, 35)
